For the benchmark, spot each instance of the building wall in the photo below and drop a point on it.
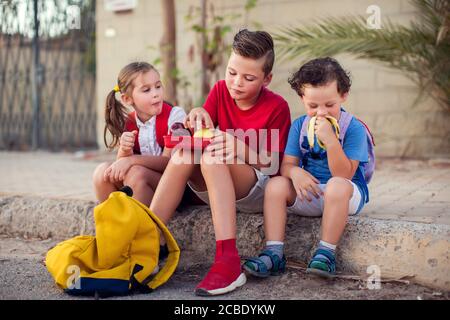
(382, 97)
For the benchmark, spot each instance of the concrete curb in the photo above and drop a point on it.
(399, 249)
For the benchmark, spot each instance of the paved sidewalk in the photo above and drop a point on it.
(405, 229)
(404, 190)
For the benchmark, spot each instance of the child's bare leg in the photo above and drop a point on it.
(279, 194)
(169, 192)
(226, 183)
(338, 193)
(103, 188)
(143, 181)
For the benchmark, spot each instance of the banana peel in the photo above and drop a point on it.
(311, 133)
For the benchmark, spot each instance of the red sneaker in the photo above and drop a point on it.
(221, 278)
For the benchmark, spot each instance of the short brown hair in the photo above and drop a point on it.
(255, 44)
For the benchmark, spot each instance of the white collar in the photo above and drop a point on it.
(147, 123)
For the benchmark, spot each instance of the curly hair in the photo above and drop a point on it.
(319, 72)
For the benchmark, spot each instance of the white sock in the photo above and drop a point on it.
(271, 243)
(328, 245)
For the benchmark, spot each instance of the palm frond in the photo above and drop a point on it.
(414, 50)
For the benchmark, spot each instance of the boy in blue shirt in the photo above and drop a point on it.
(323, 181)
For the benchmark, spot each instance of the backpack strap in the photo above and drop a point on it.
(368, 130)
(131, 125)
(344, 122)
(174, 252)
(162, 124)
(304, 133)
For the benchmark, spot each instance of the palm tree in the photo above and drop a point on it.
(421, 51)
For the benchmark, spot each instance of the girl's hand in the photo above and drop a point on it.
(126, 142)
(324, 131)
(197, 118)
(223, 146)
(305, 183)
(116, 172)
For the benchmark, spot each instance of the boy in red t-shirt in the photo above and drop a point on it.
(252, 125)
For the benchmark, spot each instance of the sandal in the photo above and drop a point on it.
(278, 265)
(322, 267)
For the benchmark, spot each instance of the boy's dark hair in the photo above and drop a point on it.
(319, 72)
(255, 44)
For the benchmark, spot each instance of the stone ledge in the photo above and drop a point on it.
(398, 248)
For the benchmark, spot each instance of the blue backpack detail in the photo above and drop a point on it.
(344, 122)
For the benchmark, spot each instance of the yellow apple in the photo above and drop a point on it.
(203, 133)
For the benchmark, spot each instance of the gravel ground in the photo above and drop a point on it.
(25, 277)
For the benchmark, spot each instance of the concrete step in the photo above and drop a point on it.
(397, 249)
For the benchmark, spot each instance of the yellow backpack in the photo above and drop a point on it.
(121, 258)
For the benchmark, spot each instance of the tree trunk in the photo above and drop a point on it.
(168, 51)
(204, 52)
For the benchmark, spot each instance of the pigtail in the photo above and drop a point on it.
(115, 117)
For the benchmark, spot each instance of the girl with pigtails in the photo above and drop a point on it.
(141, 157)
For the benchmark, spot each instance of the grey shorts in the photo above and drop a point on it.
(315, 207)
(252, 203)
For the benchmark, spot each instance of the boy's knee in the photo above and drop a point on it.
(182, 157)
(208, 162)
(277, 186)
(338, 188)
(176, 156)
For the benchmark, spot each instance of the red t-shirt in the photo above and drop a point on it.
(270, 112)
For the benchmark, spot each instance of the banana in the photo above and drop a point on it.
(311, 133)
(310, 130)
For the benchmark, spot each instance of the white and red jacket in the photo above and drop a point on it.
(150, 137)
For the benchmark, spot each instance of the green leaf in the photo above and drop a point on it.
(174, 73)
(250, 4)
(412, 50)
(157, 61)
(198, 28)
(224, 30)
